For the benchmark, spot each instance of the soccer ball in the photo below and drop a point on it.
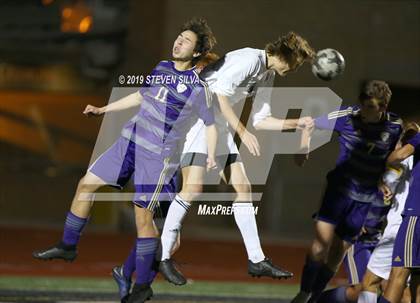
(328, 64)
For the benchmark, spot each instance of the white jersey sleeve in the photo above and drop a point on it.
(235, 73)
(261, 107)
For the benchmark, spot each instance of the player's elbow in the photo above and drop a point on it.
(258, 124)
(137, 98)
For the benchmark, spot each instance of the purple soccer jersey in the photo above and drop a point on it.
(151, 141)
(172, 102)
(412, 204)
(352, 184)
(364, 148)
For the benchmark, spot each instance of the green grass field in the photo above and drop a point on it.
(220, 291)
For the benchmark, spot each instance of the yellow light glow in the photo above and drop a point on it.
(47, 2)
(85, 24)
(67, 12)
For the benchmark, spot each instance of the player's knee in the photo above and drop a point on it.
(190, 192)
(319, 251)
(370, 281)
(243, 190)
(88, 184)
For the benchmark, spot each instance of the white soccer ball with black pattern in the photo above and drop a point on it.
(328, 64)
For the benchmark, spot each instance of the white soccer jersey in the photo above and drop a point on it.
(380, 262)
(237, 75)
(394, 218)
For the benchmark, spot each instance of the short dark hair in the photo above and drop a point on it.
(205, 37)
(292, 48)
(376, 89)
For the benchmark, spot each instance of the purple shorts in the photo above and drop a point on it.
(348, 215)
(356, 261)
(406, 251)
(154, 176)
(116, 165)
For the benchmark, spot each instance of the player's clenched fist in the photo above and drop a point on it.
(91, 110)
(306, 122)
(211, 163)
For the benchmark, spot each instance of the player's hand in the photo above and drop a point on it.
(306, 123)
(211, 163)
(300, 159)
(251, 143)
(386, 191)
(91, 110)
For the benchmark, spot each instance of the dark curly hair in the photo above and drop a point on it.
(376, 89)
(205, 37)
(292, 48)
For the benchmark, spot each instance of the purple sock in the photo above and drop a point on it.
(335, 295)
(145, 255)
(152, 276)
(155, 267)
(72, 229)
(324, 276)
(309, 274)
(383, 300)
(129, 266)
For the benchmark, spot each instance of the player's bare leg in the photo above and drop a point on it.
(414, 286)
(371, 283)
(83, 198)
(336, 253)
(316, 259)
(396, 285)
(75, 221)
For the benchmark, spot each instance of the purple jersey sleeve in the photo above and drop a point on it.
(415, 141)
(202, 105)
(145, 87)
(334, 120)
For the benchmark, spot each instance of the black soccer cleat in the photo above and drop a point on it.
(266, 268)
(123, 283)
(171, 273)
(60, 251)
(140, 294)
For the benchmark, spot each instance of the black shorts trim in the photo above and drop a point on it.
(200, 159)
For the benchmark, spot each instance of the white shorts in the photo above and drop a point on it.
(380, 262)
(196, 141)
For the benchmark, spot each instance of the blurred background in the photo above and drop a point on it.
(56, 56)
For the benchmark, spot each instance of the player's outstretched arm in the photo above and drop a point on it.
(271, 123)
(126, 102)
(247, 138)
(400, 154)
(305, 144)
(211, 134)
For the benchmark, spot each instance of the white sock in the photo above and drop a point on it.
(367, 297)
(245, 219)
(176, 214)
